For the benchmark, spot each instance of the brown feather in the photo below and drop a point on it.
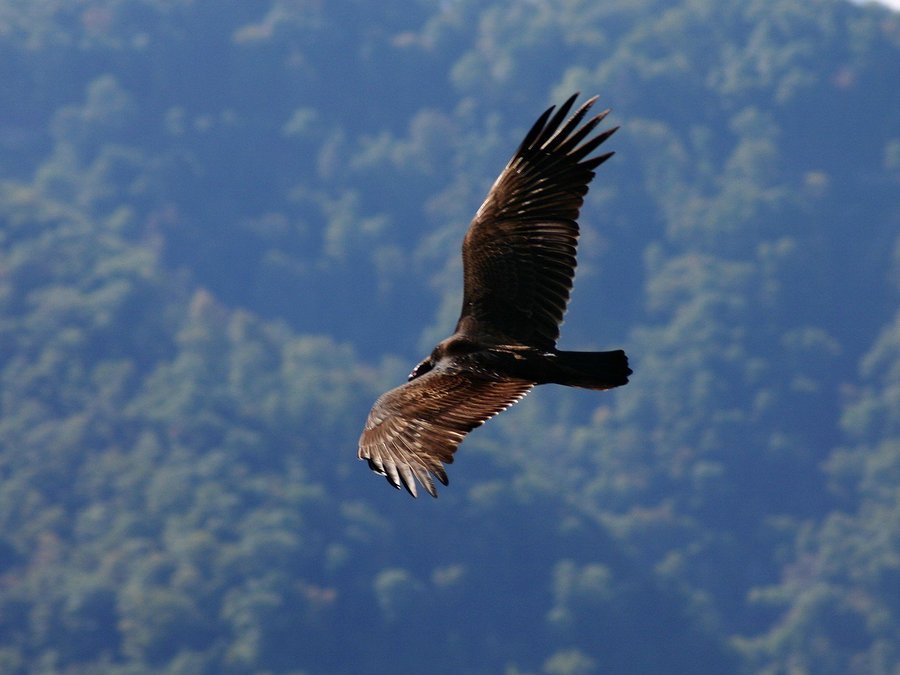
(519, 252)
(415, 427)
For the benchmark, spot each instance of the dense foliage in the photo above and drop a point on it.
(226, 226)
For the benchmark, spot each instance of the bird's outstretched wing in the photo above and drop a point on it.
(519, 252)
(416, 427)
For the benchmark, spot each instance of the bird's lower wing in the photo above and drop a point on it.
(415, 428)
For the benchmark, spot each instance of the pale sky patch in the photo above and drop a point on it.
(893, 4)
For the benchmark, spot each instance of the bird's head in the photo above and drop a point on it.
(424, 366)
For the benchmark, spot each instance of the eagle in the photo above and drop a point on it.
(518, 266)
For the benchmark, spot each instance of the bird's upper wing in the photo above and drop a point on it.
(415, 427)
(519, 252)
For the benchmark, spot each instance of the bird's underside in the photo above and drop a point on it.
(518, 267)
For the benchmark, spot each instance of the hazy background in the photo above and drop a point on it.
(226, 227)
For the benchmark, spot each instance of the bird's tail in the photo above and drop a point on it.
(591, 370)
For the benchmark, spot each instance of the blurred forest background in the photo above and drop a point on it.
(226, 227)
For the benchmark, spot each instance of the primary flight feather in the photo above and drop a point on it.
(518, 267)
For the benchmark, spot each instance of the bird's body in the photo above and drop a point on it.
(518, 263)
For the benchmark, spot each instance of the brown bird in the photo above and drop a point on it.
(518, 266)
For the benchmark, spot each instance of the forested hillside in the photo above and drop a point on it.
(226, 227)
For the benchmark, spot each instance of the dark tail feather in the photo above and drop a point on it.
(592, 370)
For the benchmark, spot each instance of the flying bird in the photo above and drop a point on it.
(518, 266)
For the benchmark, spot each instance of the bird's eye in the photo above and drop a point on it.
(420, 369)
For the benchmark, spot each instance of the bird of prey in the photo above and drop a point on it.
(518, 266)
